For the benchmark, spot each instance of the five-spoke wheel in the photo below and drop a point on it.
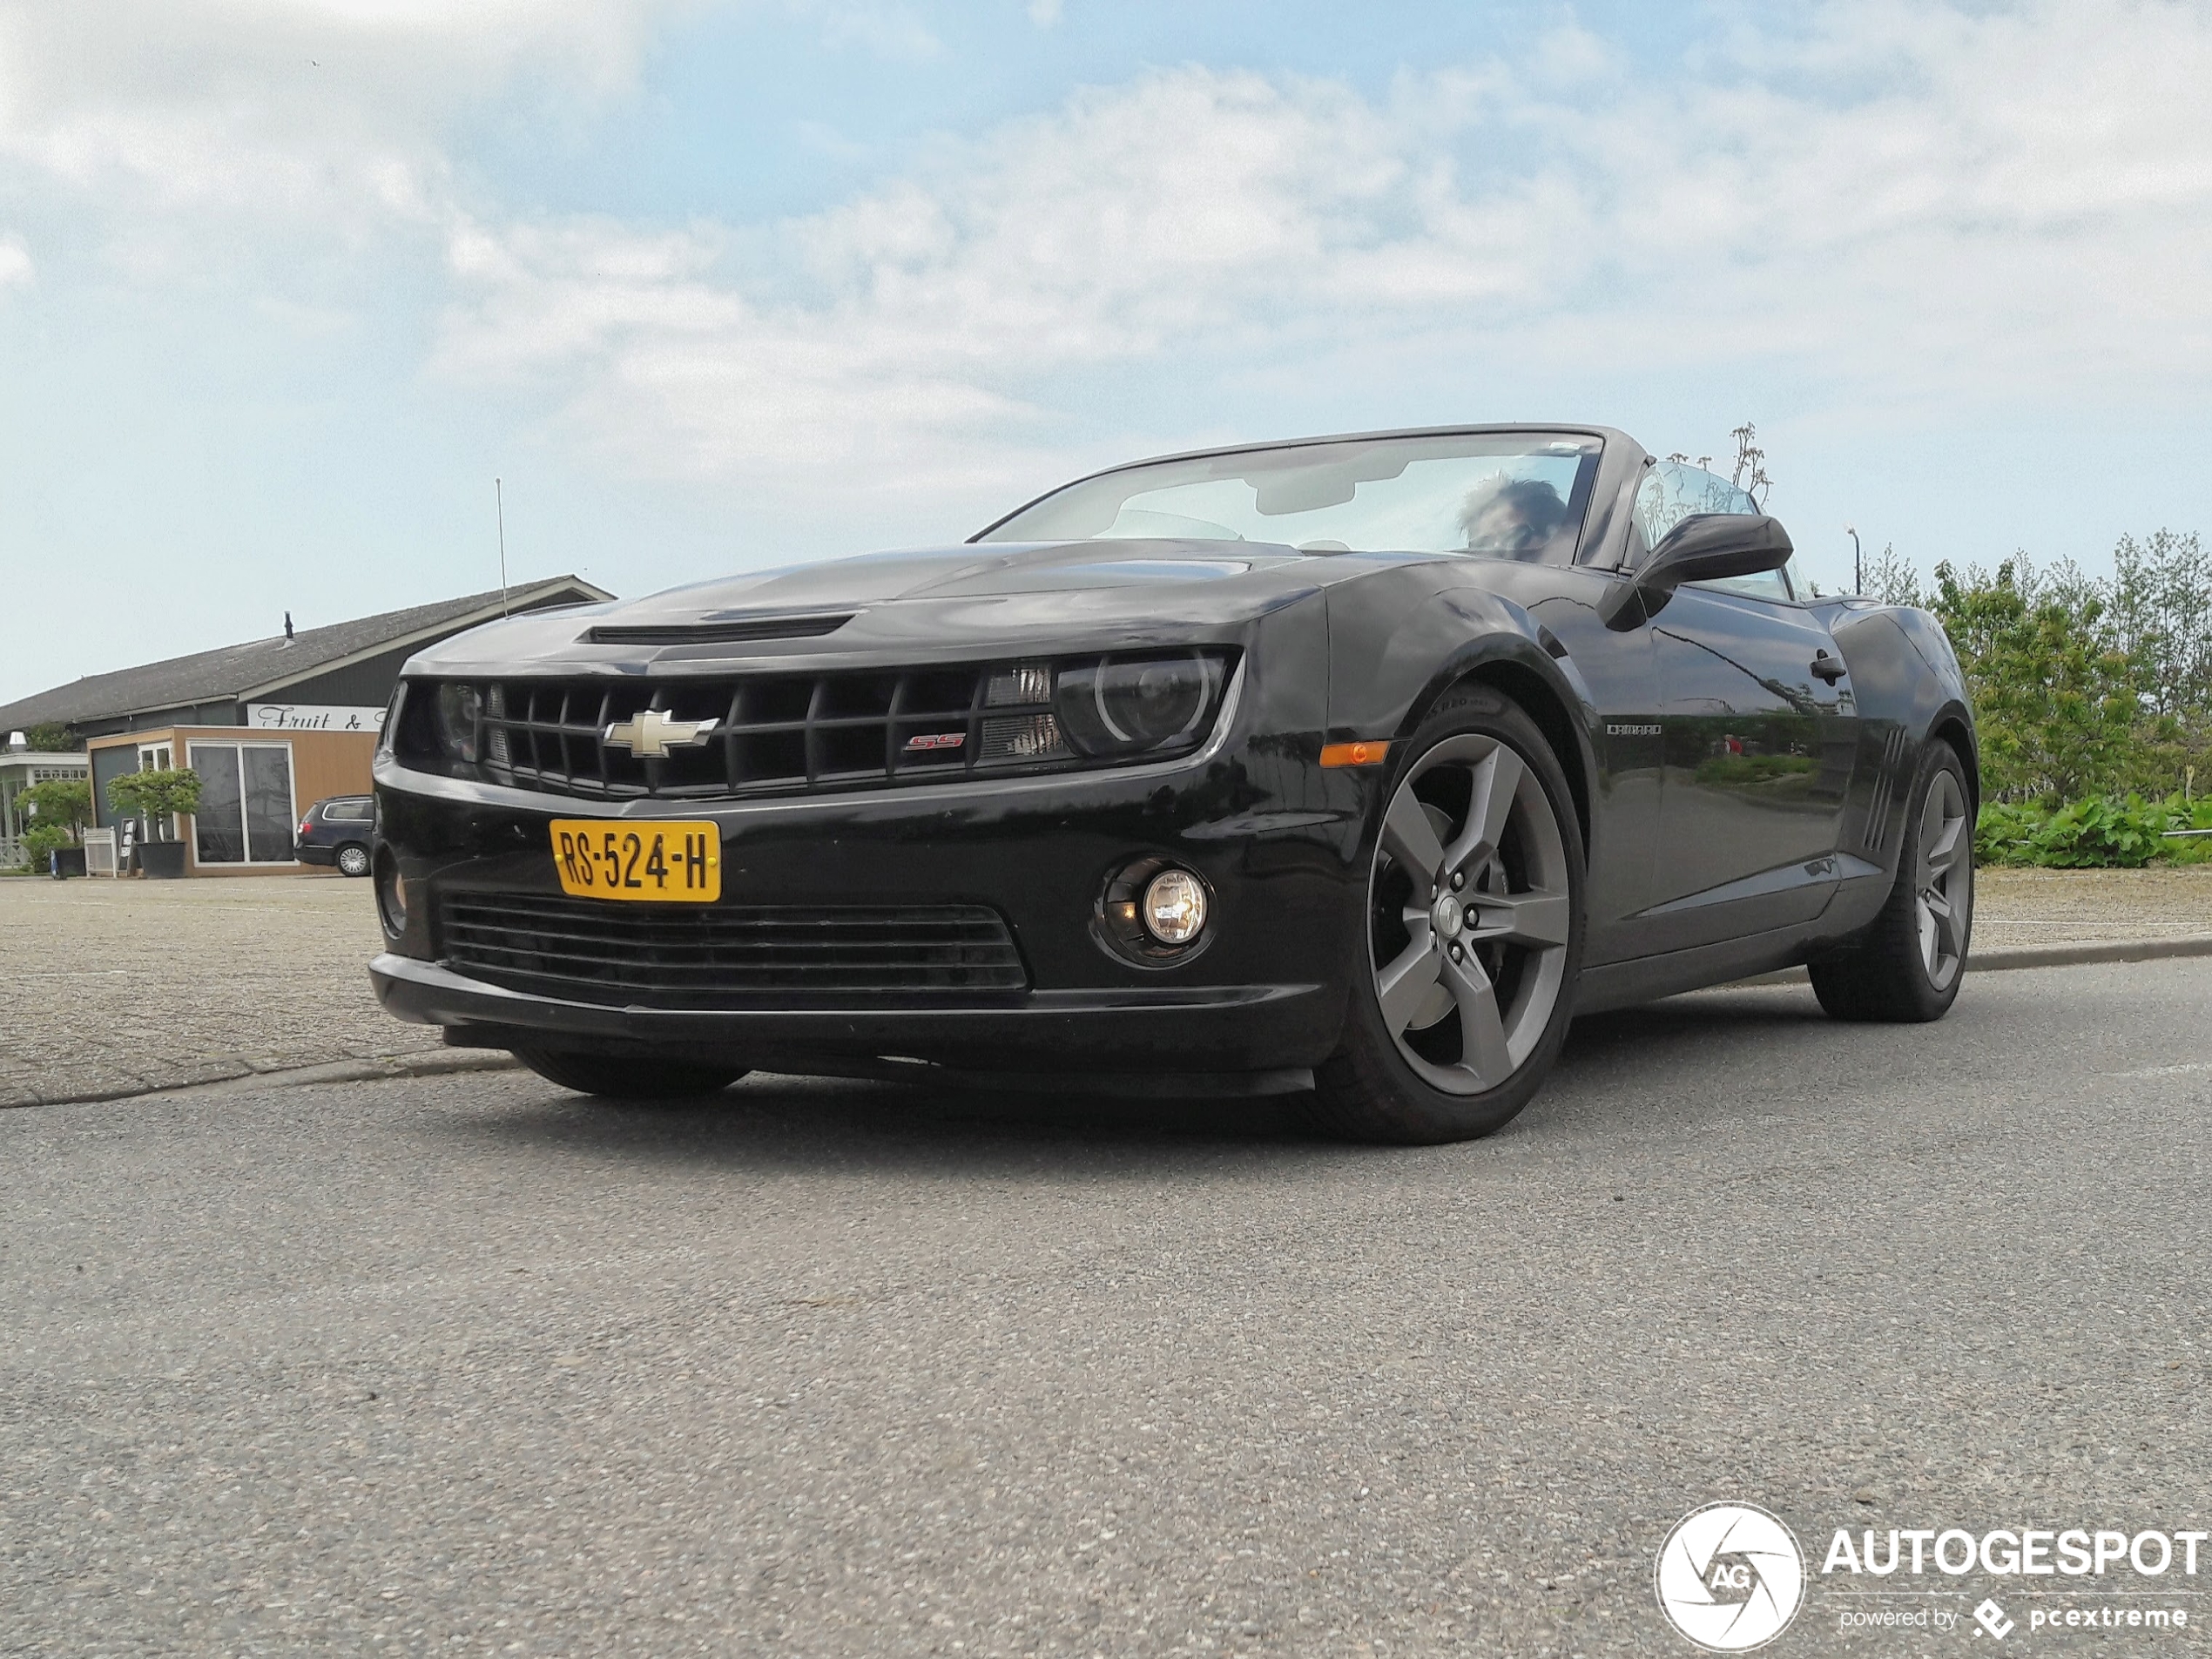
(1469, 913)
(1943, 882)
(1472, 932)
(1906, 964)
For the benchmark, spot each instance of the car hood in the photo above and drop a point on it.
(933, 604)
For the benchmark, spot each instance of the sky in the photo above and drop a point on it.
(286, 284)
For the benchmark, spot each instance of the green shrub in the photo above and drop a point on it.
(2100, 832)
(39, 840)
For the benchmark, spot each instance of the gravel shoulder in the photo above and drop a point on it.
(119, 988)
(126, 988)
(2017, 909)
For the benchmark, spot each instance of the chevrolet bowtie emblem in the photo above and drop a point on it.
(650, 735)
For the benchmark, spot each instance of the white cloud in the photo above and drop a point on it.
(310, 112)
(17, 270)
(1902, 202)
(1044, 13)
(1907, 203)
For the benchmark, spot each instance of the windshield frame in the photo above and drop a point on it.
(1596, 519)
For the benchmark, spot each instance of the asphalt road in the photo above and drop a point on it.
(467, 1365)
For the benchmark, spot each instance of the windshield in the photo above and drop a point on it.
(1518, 496)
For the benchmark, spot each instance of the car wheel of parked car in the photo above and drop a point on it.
(626, 1076)
(1906, 964)
(352, 860)
(1474, 933)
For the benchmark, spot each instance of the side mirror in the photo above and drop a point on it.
(1702, 548)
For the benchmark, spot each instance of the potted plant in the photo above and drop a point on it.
(156, 796)
(58, 810)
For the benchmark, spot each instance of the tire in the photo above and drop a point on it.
(1906, 964)
(624, 1077)
(351, 858)
(1438, 1047)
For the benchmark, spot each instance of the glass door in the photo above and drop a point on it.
(246, 809)
(156, 757)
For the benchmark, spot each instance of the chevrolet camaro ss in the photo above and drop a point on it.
(1353, 766)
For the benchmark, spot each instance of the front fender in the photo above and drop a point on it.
(1400, 638)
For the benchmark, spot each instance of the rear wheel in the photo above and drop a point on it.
(1905, 965)
(352, 858)
(1474, 933)
(623, 1077)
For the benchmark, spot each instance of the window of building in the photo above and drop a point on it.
(247, 811)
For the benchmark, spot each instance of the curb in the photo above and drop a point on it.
(2000, 962)
(431, 1064)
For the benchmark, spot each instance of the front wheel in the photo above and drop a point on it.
(621, 1077)
(1474, 933)
(1905, 965)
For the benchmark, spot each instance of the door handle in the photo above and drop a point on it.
(1829, 668)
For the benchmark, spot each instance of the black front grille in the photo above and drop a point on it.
(770, 734)
(708, 956)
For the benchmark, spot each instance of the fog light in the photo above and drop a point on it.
(391, 895)
(1174, 909)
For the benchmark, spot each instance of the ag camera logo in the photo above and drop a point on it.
(1730, 1577)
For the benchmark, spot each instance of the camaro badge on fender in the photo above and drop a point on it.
(650, 734)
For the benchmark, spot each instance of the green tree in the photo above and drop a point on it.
(52, 737)
(155, 795)
(1893, 581)
(58, 804)
(2058, 702)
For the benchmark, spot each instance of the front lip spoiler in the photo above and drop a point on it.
(1169, 1022)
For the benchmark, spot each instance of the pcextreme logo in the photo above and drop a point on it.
(1730, 1577)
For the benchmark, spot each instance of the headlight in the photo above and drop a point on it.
(460, 711)
(1131, 706)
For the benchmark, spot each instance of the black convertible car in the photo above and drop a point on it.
(1356, 764)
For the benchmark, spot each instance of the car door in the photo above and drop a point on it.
(1759, 736)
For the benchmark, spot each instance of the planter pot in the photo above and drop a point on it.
(67, 861)
(161, 860)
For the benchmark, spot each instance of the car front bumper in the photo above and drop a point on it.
(1274, 838)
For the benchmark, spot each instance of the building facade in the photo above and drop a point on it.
(19, 769)
(271, 726)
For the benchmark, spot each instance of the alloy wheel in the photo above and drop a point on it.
(1469, 913)
(1943, 883)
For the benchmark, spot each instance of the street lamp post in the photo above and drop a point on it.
(1858, 565)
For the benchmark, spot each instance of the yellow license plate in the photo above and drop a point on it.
(665, 863)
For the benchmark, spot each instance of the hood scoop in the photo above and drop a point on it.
(728, 630)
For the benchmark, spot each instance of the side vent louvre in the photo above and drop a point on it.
(1878, 810)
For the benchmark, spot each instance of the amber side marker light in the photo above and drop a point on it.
(1353, 754)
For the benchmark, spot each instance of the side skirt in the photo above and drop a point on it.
(1646, 979)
